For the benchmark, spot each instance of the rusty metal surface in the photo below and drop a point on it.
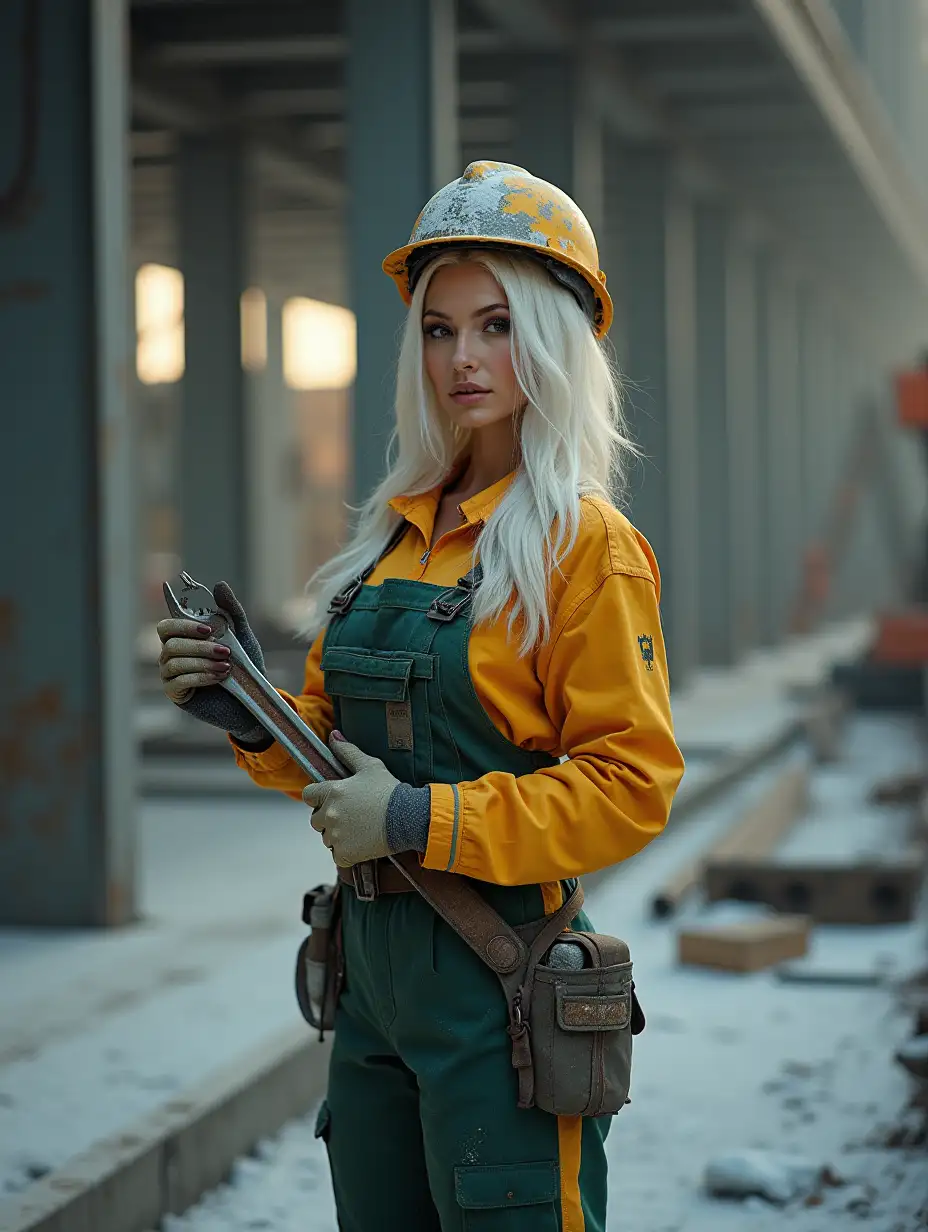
(66, 619)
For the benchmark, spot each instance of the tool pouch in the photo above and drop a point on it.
(320, 964)
(581, 1024)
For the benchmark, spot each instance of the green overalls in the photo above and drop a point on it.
(421, 1123)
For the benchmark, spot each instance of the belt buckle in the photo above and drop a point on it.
(365, 878)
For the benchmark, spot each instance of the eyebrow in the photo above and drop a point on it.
(433, 312)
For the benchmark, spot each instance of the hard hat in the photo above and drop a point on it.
(499, 205)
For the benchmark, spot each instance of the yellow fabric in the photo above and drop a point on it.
(590, 692)
(569, 1134)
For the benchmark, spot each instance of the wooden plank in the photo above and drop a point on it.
(748, 946)
(756, 832)
(872, 892)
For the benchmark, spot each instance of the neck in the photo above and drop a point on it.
(494, 452)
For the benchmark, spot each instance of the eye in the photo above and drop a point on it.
(436, 331)
(497, 325)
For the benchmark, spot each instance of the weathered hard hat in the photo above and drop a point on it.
(499, 205)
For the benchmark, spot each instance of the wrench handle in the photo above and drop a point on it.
(282, 722)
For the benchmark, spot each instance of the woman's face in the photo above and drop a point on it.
(465, 323)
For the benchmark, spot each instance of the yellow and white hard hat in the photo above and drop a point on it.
(499, 205)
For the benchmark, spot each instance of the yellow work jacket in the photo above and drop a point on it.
(596, 691)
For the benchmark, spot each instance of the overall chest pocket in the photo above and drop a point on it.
(382, 705)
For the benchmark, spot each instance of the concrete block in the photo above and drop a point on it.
(750, 945)
(164, 1163)
(870, 892)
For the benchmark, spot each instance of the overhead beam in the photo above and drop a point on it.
(708, 27)
(715, 81)
(162, 103)
(299, 49)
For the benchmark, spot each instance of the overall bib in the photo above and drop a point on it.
(420, 1122)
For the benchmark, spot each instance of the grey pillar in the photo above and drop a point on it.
(69, 582)
(785, 513)
(273, 478)
(658, 278)
(213, 256)
(715, 567)
(396, 124)
(744, 528)
(766, 512)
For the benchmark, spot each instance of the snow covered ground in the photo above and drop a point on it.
(727, 1062)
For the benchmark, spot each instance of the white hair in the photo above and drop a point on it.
(572, 438)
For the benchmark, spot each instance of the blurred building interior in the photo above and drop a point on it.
(197, 341)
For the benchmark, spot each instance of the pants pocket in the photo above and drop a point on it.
(509, 1197)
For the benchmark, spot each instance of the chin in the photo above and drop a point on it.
(477, 416)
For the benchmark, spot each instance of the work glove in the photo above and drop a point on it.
(192, 665)
(369, 815)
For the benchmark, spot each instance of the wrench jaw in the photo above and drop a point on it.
(194, 601)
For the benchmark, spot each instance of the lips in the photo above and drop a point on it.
(468, 388)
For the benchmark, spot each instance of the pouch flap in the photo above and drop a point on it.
(592, 1011)
(349, 673)
(492, 1187)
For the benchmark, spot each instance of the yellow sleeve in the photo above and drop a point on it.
(275, 767)
(606, 689)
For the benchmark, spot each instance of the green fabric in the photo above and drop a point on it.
(421, 1119)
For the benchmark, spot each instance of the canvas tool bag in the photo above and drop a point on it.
(571, 1030)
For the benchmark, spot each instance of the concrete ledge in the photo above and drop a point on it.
(164, 1163)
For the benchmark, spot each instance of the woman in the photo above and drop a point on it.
(492, 674)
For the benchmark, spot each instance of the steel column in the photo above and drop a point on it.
(68, 597)
(744, 527)
(785, 508)
(765, 509)
(399, 121)
(659, 278)
(213, 258)
(713, 437)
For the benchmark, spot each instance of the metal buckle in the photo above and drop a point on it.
(366, 880)
(345, 597)
(443, 609)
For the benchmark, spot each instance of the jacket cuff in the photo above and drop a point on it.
(444, 826)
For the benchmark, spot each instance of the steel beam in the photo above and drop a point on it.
(393, 168)
(69, 588)
(705, 27)
(658, 279)
(714, 452)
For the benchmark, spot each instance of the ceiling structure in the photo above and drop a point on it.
(761, 102)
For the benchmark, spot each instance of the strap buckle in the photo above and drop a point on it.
(366, 880)
(450, 602)
(341, 602)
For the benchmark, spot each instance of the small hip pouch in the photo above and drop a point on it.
(320, 963)
(581, 1024)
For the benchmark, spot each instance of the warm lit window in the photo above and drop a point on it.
(254, 330)
(159, 320)
(320, 345)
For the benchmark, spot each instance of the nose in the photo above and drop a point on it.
(463, 353)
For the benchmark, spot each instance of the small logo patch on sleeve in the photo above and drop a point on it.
(646, 646)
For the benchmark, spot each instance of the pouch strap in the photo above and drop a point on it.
(498, 945)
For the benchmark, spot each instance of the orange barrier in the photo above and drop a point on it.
(902, 637)
(912, 398)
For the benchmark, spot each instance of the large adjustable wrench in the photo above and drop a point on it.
(251, 687)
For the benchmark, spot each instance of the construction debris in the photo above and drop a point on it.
(749, 945)
(756, 833)
(913, 1057)
(777, 1178)
(869, 892)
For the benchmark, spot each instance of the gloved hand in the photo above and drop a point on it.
(191, 666)
(351, 814)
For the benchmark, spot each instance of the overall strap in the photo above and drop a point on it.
(341, 602)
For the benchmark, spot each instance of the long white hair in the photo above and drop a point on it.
(572, 437)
